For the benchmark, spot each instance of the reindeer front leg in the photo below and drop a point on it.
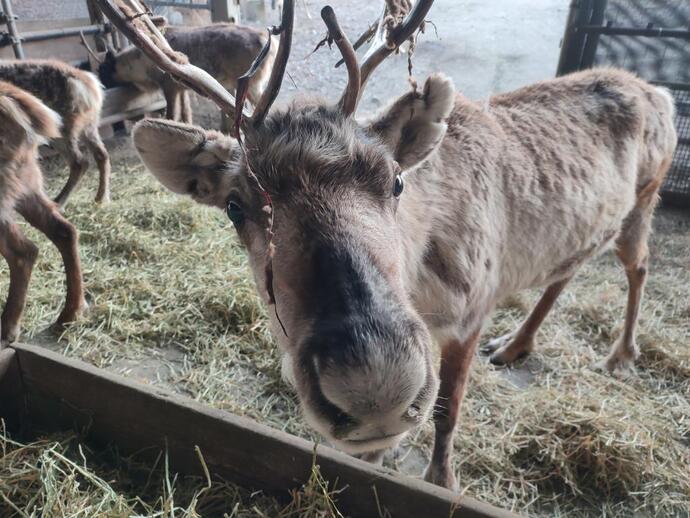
(171, 92)
(456, 359)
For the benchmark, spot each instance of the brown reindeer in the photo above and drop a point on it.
(77, 97)
(224, 50)
(362, 274)
(25, 123)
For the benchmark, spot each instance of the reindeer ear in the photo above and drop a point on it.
(187, 159)
(414, 125)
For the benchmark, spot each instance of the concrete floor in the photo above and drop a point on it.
(485, 46)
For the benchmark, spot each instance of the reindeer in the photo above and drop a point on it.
(371, 240)
(224, 50)
(77, 96)
(25, 123)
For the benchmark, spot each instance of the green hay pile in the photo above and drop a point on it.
(172, 303)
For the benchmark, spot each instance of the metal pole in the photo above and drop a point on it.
(592, 42)
(573, 41)
(12, 29)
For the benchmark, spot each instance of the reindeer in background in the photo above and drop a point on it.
(370, 241)
(25, 123)
(77, 96)
(224, 50)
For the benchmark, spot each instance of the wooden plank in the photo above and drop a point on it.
(11, 389)
(125, 102)
(135, 416)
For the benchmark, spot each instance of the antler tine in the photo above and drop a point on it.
(269, 95)
(348, 101)
(91, 52)
(397, 36)
(364, 37)
(133, 21)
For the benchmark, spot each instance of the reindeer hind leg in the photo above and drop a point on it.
(102, 158)
(632, 250)
(78, 164)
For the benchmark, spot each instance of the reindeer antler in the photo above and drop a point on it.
(91, 52)
(396, 37)
(389, 36)
(134, 21)
(287, 23)
(348, 102)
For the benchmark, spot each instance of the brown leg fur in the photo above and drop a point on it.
(518, 344)
(102, 158)
(43, 214)
(172, 102)
(186, 107)
(78, 164)
(20, 254)
(456, 359)
(631, 249)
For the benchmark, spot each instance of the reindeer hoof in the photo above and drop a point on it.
(495, 344)
(10, 336)
(616, 365)
(69, 315)
(506, 349)
(621, 360)
(441, 476)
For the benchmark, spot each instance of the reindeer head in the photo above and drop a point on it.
(314, 197)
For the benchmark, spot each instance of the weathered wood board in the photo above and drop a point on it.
(44, 390)
(127, 102)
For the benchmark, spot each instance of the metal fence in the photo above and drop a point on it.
(650, 38)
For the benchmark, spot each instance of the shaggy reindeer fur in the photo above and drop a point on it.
(224, 50)
(25, 123)
(499, 198)
(78, 97)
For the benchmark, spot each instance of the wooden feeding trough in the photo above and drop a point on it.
(43, 390)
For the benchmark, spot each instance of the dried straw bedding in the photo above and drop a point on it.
(172, 303)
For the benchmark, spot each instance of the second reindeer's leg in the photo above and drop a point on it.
(172, 101)
(186, 107)
(456, 359)
(43, 214)
(78, 164)
(102, 158)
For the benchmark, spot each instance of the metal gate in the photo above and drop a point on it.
(650, 38)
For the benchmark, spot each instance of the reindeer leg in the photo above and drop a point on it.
(518, 344)
(44, 215)
(172, 106)
(20, 254)
(186, 107)
(78, 164)
(456, 359)
(102, 158)
(633, 252)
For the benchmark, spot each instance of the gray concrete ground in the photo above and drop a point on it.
(485, 46)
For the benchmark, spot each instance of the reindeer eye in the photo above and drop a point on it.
(398, 187)
(235, 212)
